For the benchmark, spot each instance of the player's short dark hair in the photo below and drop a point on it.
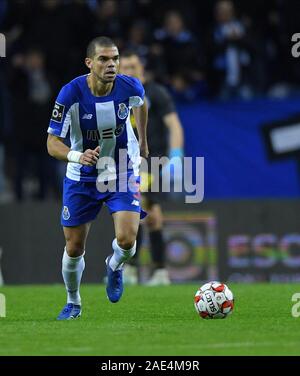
(99, 41)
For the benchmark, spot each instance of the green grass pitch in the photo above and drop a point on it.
(149, 321)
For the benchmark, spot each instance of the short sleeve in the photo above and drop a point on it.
(138, 94)
(61, 115)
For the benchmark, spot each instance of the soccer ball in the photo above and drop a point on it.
(214, 300)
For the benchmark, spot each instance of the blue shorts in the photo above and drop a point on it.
(82, 202)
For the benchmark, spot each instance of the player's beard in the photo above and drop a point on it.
(104, 80)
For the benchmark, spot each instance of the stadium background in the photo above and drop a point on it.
(230, 95)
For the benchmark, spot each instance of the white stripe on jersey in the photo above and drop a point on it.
(75, 131)
(133, 147)
(66, 124)
(73, 169)
(106, 124)
(132, 142)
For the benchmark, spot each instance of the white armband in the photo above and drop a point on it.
(74, 156)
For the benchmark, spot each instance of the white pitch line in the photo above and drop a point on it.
(245, 344)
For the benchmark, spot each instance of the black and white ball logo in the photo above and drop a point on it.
(58, 112)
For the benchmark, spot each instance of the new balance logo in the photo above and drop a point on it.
(135, 202)
(87, 116)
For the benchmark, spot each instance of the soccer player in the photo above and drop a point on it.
(165, 137)
(94, 108)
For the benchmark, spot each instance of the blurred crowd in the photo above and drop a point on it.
(208, 49)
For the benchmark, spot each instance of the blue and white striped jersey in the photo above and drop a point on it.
(102, 121)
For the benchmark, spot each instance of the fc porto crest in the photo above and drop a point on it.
(65, 213)
(123, 111)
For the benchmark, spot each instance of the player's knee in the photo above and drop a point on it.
(126, 241)
(74, 248)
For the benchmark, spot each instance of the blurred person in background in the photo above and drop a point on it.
(165, 137)
(108, 20)
(138, 39)
(230, 50)
(182, 53)
(31, 95)
(59, 27)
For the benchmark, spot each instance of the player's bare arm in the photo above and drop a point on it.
(172, 122)
(57, 149)
(141, 119)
